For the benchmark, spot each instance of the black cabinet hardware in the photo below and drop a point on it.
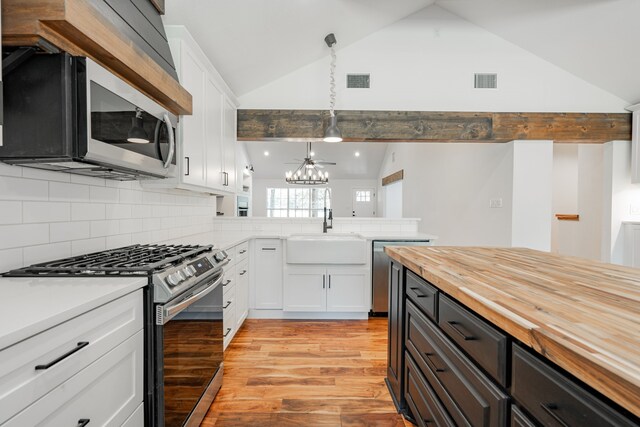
(459, 331)
(188, 166)
(83, 422)
(78, 347)
(329, 281)
(243, 272)
(550, 408)
(323, 281)
(419, 295)
(268, 249)
(228, 304)
(431, 363)
(226, 333)
(227, 282)
(243, 251)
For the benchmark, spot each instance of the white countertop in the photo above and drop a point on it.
(228, 239)
(32, 305)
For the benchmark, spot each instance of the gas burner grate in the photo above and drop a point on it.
(135, 260)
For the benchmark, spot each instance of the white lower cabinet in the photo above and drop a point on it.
(242, 292)
(267, 271)
(87, 368)
(235, 302)
(631, 245)
(325, 288)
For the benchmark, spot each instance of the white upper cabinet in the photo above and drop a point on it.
(206, 139)
(635, 144)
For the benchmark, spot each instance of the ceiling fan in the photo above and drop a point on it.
(310, 162)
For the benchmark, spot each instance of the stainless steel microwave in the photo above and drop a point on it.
(69, 114)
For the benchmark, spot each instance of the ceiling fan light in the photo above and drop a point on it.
(332, 133)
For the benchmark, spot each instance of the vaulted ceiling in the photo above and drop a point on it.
(253, 42)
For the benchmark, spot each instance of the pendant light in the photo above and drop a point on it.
(332, 133)
(137, 133)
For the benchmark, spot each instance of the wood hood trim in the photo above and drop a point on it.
(77, 27)
(433, 126)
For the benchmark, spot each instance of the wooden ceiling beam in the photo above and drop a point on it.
(429, 126)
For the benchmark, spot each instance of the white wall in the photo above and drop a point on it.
(427, 62)
(532, 194)
(449, 186)
(392, 200)
(619, 195)
(341, 194)
(565, 199)
(50, 215)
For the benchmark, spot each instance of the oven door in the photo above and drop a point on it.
(189, 356)
(126, 128)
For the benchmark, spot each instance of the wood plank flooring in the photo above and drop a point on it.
(306, 373)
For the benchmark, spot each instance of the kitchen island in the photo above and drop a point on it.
(574, 317)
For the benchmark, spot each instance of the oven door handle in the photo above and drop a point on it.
(171, 310)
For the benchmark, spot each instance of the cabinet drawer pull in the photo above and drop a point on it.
(78, 347)
(323, 281)
(268, 249)
(460, 332)
(226, 333)
(419, 295)
(227, 282)
(243, 251)
(188, 166)
(228, 304)
(329, 281)
(432, 364)
(83, 422)
(243, 272)
(550, 408)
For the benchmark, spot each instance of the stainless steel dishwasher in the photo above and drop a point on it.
(380, 273)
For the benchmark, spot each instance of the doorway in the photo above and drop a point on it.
(364, 202)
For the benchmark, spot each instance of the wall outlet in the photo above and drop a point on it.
(495, 203)
(634, 209)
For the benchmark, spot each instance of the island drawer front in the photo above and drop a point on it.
(422, 400)
(105, 393)
(469, 396)
(519, 419)
(242, 250)
(422, 294)
(103, 328)
(486, 345)
(556, 400)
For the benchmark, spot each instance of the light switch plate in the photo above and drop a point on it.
(634, 209)
(495, 203)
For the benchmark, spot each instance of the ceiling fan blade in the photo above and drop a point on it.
(325, 163)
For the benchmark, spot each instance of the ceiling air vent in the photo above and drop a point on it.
(485, 81)
(358, 81)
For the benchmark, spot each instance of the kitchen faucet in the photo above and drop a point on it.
(326, 226)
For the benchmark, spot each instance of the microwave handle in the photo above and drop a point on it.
(172, 141)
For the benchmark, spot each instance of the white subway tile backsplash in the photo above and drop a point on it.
(67, 231)
(19, 235)
(149, 198)
(141, 211)
(10, 212)
(89, 180)
(12, 188)
(85, 246)
(45, 175)
(150, 224)
(114, 211)
(130, 196)
(87, 211)
(10, 170)
(42, 253)
(103, 194)
(118, 241)
(11, 259)
(46, 212)
(117, 184)
(131, 225)
(105, 228)
(66, 192)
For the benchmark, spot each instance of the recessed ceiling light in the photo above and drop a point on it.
(266, 153)
(357, 154)
(312, 153)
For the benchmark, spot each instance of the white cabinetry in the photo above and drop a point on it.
(326, 288)
(267, 275)
(90, 367)
(236, 291)
(206, 139)
(632, 244)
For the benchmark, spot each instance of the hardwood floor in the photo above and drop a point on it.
(306, 373)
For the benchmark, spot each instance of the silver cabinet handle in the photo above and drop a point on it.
(172, 141)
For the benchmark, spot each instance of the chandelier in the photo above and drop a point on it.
(308, 172)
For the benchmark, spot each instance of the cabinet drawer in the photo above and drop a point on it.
(242, 250)
(469, 396)
(242, 269)
(487, 346)
(229, 324)
(229, 281)
(103, 329)
(106, 392)
(556, 400)
(519, 419)
(425, 406)
(422, 294)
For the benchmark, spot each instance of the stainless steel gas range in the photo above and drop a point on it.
(183, 321)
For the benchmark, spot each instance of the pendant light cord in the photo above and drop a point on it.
(332, 82)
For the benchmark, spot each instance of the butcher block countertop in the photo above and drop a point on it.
(581, 314)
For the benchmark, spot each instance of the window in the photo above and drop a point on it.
(297, 202)
(363, 195)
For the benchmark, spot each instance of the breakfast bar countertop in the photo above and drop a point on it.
(581, 314)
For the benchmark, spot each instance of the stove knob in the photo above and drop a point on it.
(181, 276)
(172, 280)
(187, 271)
(220, 256)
